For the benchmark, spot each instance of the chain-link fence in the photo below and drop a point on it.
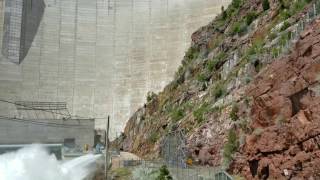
(290, 36)
(174, 155)
(174, 149)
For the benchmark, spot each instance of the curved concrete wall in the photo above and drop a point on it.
(103, 56)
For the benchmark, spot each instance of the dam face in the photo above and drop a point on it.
(101, 57)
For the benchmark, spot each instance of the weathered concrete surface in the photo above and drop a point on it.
(102, 57)
(18, 132)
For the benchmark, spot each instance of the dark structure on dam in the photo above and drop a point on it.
(46, 122)
(21, 22)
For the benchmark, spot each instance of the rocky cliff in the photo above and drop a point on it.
(286, 111)
(244, 97)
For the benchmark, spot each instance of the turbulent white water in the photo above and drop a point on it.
(35, 163)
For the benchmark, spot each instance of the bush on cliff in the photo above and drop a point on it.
(231, 146)
(265, 5)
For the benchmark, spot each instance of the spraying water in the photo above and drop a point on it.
(35, 163)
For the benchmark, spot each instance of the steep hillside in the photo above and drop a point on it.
(217, 96)
(285, 115)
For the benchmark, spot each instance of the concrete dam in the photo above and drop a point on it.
(99, 57)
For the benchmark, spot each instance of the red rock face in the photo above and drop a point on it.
(286, 110)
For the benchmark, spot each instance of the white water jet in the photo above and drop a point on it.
(35, 163)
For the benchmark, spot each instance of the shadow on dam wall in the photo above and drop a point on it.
(32, 14)
(21, 23)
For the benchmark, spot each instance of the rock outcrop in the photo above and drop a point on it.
(239, 106)
(286, 116)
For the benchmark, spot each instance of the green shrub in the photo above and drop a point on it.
(272, 36)
(285, 26)
(179, 76)
(236, 3)
(256, 48)
(213, 64)
(153, 138)
(217, 109)
(224, 13)
(298, 6)
(231, 11)
(284, 4)
(177, 114)
(234, 113)
(164, 173)
(248, 79)
(200, 112)
(219, 91)
(251, 16)
(202, 77)
(290, 8)
(192, 53)
(151, 96)
(238, 28)
(265, 5)
(231, 146)
(275, 51)
(284, 38)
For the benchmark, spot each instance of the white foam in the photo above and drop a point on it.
(35, 163)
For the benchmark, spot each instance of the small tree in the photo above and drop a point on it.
(236, 3)
(224, 13)
(231, 146)
(265, 5)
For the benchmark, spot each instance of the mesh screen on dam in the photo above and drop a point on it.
(101, 57)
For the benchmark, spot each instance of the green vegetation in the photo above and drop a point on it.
(238, 28)
(285, 26)
(144, 173)
(217, 109)
(234, 113)
(224, 13)
(284, 4)
(290, 8)
(153, 138)
(164, 173)
(200, 112)
(256, 48)
(187, 105)
(219, 90)
(236, 3)
(202, 77)
(248, 79)
(179, 77)
(216, 62)
(284, 38)
(233, 9)
(231, 146)
(151, 96)
(265, 5)
(250, 17)
(177, 114)
(272, 36)
(275, 52)
(192, 54)
(121, 174)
